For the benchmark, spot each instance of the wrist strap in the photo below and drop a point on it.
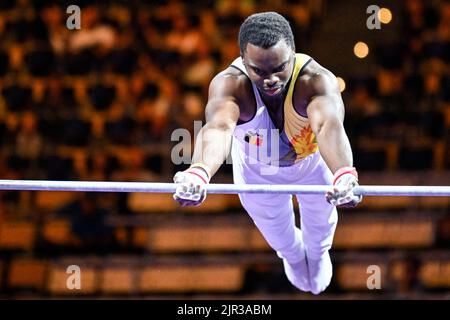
(342, 171)
(198, 173)
(202, 166)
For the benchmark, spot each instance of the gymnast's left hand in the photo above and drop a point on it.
(341, 194)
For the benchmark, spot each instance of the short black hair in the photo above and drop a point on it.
(265, 30)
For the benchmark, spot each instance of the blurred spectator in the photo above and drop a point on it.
(243, 8)
(132, 167)
(90, 232)
(186, 36)
(209, 28)
(53, 17)
(93, 33)
(8, 199)
(201, 70)
(100, 165)
(363, 112)
(193, 110)
(17, 96)
(16, 57)
(123, 56)
(390, 85)
(29, 141)
(119, 126)
(407, 280)
(12, 125)
(166, 103)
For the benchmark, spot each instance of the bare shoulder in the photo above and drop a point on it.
(315, 79)
(233, 84)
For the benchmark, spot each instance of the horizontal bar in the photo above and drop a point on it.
(154, 187)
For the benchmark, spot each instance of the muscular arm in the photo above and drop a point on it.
(222, 113)
(326, 116)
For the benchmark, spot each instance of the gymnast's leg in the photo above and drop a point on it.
(318, 223)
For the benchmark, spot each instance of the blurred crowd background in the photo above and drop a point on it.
(101, 103)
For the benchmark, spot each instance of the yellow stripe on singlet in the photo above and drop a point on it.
(296, 127)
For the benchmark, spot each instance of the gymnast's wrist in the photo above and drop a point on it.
(202, 169)
(344, 171)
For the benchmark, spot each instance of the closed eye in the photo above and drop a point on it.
(280, 68)
(259, 72)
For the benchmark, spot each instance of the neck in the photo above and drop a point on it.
(275, 103)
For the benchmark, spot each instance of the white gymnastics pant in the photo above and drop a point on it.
(273, 214)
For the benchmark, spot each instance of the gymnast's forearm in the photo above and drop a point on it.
(334, 145)
(212, 145)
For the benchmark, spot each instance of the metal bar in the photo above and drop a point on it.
(153, 187)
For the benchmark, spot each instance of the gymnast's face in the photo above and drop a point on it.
(270, 69)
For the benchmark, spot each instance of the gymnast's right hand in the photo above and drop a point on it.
(191, 185)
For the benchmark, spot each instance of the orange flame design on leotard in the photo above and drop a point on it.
(304, 142)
